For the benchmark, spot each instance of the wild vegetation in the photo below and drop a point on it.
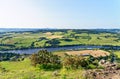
(46, 60)
(12, 56)
(52, 65)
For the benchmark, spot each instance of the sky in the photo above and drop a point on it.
(73, 14)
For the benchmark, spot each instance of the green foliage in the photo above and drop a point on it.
(100, 67)
(113, 57)
(117, 55)
(95, 62)
(53, 42)
(91, 66)
(49, 66)
(12, 57)
(74, 62)
(34, 59)
(46, 60)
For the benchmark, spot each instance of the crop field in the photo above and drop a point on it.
(94, 53)
(13, 40)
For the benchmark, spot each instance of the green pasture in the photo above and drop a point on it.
(29, 39)
(24, 70)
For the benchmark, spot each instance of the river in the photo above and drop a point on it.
(51, 49)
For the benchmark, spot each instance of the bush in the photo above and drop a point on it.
(6, 56)
(100, 67)
(95, 62)
(49, 66)
(46, 60)
(53, 42)
(91, 66)
(74, 62)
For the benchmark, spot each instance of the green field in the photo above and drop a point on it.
(12, 40)
(24, 70)
(117, 53)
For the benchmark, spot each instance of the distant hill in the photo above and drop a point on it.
(39, 29)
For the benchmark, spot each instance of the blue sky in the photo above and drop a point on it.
(82, 14)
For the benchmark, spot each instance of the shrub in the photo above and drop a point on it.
(5, 56)
(74, 62)
(91, 66)
(46, 60)
(53, 42)
(49, 66)
(100, 67)
(95, 62)
(34, 59)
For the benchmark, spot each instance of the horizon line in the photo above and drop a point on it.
(53, 28)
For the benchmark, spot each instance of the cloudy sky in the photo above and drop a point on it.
(60, 14)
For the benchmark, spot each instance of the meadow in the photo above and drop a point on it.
(24, 70)
(54, 38)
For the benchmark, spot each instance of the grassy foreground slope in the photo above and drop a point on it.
(117, 53)
(24, 70)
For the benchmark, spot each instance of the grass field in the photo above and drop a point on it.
(24, 70)
(117, 53)
(68, 37)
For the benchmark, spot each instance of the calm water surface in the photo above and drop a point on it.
(51, 49)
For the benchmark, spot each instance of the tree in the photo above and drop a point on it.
(45, 59)
(53, 42)
(74, 62)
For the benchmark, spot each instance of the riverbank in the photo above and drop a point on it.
(67, 47)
